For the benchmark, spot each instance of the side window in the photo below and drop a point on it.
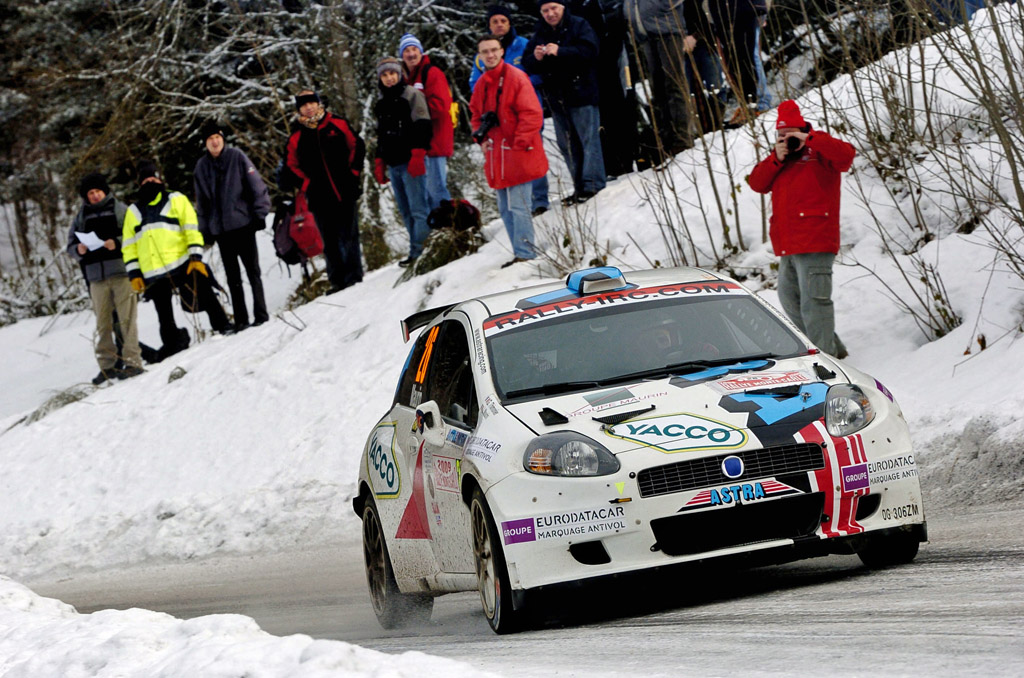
(450, 381)
(410, 386)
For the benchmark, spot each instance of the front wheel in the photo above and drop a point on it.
(491, 571)
(889, 550)
(393, 608)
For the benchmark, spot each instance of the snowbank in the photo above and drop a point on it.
(44, 637)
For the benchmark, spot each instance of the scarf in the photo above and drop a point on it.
(314, 120)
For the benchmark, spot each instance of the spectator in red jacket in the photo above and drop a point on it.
(507, 118)
(327, 156)
(431, 80)
(803, 174)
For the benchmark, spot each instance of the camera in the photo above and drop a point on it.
(792, 144)
(488, 121)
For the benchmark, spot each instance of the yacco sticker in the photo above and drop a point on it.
(755, 380)
(446, 474)
(565, 525)
(740, 493)
(382, 463)
(513, 319)
(457, 438)
(483, 449)
(607, 400)
(679, 433)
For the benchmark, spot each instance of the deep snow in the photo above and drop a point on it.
(255, 449)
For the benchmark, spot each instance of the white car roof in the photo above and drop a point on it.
(577, 284)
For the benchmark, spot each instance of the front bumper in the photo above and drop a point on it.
(562, 530)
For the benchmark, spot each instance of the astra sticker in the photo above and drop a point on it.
(514, 319)
(381, 463)
(740, 493)
(446, 474)
(680, 433)
(565, 525)
(758, 380)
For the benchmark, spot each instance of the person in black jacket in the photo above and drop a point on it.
(328, 157)
(404, 131)
(95, 242)
(563, 51)
(232, 203)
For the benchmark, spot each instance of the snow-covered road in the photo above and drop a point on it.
(957, 610)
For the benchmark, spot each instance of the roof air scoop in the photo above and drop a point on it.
(593, 280)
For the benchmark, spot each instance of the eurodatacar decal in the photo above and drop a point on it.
(680, 433)
(568, 525)
(875, 473)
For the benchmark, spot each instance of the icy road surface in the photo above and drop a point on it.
(957, 610)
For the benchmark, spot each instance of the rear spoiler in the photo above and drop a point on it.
(421, 319)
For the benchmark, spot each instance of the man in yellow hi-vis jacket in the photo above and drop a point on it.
(163, 251)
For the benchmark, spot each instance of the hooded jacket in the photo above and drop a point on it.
(403, 123)
(805, 194)
(514, 46)
(230, 193)
(517, 156)
(104, 219)
(431, 80)
(570, 78)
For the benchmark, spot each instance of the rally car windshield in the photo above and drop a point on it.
(649, 340)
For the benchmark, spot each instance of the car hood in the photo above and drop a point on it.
(758, 403)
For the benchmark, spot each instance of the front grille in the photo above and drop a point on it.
(706, 472)
(702, 531)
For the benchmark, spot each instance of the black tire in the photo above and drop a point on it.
(393, 608)
(491, 570)
(889, 550)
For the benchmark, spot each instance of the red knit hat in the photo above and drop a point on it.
(789, 115)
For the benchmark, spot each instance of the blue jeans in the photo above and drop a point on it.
(540, 192)
(411, 196)
(764, 97)
(437, 181)
(578, 135)
(514, 206)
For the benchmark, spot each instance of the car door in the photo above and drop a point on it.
(450, 388)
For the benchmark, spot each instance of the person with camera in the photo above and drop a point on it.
(232, 203)
(499, 23)
(506, 120)
(564, 51)
(803, 176)
(404, 131)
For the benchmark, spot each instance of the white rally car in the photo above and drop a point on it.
(615, 423)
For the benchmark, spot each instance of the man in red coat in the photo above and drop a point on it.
(431, 80)
(507, 118)
(803, 174)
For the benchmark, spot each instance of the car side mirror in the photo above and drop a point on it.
(429, 424)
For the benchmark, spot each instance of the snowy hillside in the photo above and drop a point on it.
(255, 448)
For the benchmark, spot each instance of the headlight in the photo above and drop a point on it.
(568, 454)
(847, 410)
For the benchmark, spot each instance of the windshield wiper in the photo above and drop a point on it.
(688, 366)
(553, 388)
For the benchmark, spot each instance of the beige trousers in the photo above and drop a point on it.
(108, 296)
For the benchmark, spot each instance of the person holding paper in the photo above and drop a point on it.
(95, 242)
